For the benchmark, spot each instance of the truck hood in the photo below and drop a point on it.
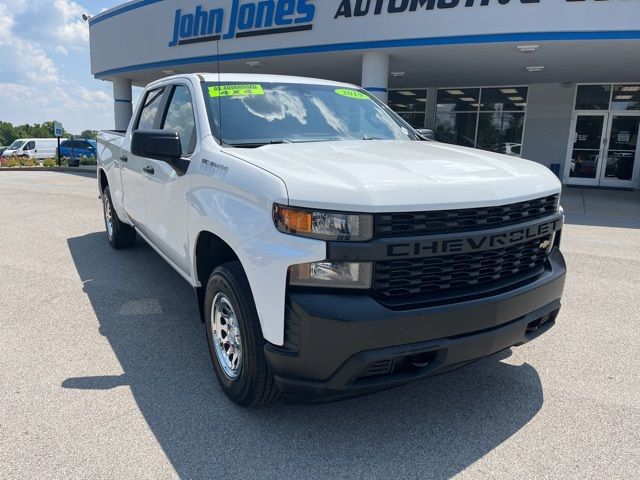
(378, 176)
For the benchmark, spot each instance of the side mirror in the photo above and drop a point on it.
(162, 145)
(426, 133)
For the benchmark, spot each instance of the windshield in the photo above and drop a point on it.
(254, 115)
(16, 145)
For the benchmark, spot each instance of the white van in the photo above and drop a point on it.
(36, 148)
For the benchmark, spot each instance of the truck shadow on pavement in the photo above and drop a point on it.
(431, 429)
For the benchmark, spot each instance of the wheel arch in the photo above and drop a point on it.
(210, 252)
(103, 181)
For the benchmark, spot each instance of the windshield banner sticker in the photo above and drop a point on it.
(235, 90)
(355, 94)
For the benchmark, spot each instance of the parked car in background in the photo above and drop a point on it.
(2, 149)
(36, 148)
(77, 148)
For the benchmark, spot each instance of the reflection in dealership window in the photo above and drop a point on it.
(410, 104)
(458, 128)
(501, 132)
(626, 97)
(593, 97)
(487, 118)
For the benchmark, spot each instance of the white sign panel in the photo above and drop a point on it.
(164, 33)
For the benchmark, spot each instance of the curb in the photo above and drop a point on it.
(49, 169)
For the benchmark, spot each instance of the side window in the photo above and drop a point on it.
(30, 146)
(150, 109)
(180, 118)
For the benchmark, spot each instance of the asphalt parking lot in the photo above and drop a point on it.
(104, 370)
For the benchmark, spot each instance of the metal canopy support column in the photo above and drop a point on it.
(122, 106)
(375, 74)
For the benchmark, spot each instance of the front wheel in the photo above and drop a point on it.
(235, 338)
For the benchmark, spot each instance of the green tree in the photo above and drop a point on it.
(7, 133)
(90, 134)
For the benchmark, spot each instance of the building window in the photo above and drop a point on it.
(411, 105)
(626, 97)
(608, 97)
(593, 97)
(486, 118)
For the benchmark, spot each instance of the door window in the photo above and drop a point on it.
(30, 146)
(150, 108)
(586, 149)
(180, 118)
(623, 144)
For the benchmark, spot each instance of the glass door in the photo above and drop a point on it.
(621, 151)
(586, 151)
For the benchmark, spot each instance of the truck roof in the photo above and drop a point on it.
(252, 78)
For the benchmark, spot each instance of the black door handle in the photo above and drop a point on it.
(149, 170)
(124, 158)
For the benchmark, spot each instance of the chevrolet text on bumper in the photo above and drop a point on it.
(333, 250)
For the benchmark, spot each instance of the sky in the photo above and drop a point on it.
(45, 69)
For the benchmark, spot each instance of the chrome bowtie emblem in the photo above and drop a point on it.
(544, 245)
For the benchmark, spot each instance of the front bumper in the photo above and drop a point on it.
(341, 345)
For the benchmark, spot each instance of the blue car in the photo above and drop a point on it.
(77, 148)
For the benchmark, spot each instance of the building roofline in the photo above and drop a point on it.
(371, 45)
(120, 9)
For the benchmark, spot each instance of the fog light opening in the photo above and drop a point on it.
(422, 360)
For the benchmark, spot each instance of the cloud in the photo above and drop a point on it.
(54, 23)
(32, 90)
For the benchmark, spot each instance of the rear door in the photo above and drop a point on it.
(167, 184)
(132, 167)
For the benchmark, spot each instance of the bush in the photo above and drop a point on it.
(49, 162)
(10, 162)
(28, 162)
(88, 161)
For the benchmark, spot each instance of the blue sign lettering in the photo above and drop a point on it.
(245, 19)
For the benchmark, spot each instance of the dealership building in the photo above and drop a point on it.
(554, 81)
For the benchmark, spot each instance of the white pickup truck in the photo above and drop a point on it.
(333, 250)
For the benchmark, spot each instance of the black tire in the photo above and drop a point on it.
(254, 384)
(120, 235)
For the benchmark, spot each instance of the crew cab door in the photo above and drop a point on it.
(132, 167)
(167, 183)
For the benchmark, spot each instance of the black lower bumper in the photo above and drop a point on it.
(340, 345)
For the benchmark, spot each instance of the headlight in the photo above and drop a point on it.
(323, 225)
(331, 275)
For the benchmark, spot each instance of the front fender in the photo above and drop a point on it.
(265, 253)
(266, 260)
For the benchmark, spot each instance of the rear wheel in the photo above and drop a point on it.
(235, 338)
(119, 234)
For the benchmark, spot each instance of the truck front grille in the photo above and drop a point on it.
(459, 271)
(463, 220)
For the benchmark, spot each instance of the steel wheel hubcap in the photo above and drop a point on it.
(108, 216)
(227, 341)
